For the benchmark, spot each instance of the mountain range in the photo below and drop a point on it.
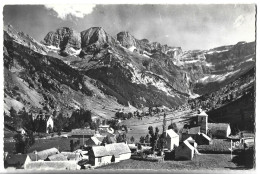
(91, 69)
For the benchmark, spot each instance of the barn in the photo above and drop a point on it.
(185, 151)
(98, 155)
(119, 150)
(43, 155)
(73, 156)
(172, 139)
(82, 133)
(219, 130)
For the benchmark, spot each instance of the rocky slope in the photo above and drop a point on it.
(98, 72)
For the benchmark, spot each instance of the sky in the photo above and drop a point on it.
(187, 26)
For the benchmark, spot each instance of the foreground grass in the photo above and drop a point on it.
(218, 146)
(204, 161)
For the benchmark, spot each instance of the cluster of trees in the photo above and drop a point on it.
(74, 145)
(23, 142)
(123, 116)
(79, 119)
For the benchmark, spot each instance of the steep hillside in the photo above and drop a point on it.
(93, 70)
(36, 81)
(234, 103)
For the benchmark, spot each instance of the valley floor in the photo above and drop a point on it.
(200, 162)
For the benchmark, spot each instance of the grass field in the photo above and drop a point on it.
(138, 128)
(203, 161)
(217, 146)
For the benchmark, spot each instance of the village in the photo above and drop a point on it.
(104, 146)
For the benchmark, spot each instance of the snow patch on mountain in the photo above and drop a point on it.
(217, 77)
(132, 48)
(214, 51)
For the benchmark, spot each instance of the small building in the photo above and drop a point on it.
(119, 151)
(98, 155)
(185, 151)
(17, 161)
(202, 139)
(202, 121)
(93, 141)
(43, 155)
(44, 122)
(80, 133)
(192, 142)
(57, 157)
(21, 131)
(172, 139)
(219, 130)
(52, 165)
(73, 156)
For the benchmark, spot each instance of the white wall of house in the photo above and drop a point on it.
(170, 142)
(125, 156)
(49, 122)
(102, 160)
(228, 131)
(27, 160)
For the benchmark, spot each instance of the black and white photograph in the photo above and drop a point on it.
(128, 87)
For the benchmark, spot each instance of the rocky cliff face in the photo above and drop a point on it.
(94, 39)
(126, 39)
(108, 70)
(65, 39)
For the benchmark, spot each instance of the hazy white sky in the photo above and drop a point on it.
(187, 26)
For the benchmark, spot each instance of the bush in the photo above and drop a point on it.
(16, 88)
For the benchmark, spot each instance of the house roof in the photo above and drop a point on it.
(94, 140)
(171, 133)
(44, 154)
(82, 132)
(100, 151)
(58, 157)
(13, 159)
(120, 148)
(218, 126)
(205, 136)
(52, 165)
(192, 130)
(111, 148)
(71, 155)
(186, 142)
(202, 113)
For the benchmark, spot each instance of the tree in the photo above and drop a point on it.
(132, 139)
(174, 127)
(19, 143)
(154, 137)
(13, 112)
(147, 138)
(142, 139)
(71, 146)
(106, 140)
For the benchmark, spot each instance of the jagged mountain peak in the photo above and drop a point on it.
(126, 39)
(95, 38)
(64, 38)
